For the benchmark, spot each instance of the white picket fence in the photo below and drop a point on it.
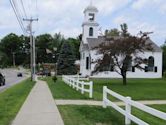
(127, 111)
(75, 82)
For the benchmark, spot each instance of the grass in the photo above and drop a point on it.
(138, 89)
(93, 115)
(88, 115)
(12, 99)
(60, 90)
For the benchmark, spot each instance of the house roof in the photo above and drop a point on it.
(94, 42)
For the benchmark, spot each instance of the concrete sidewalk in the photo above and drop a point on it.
(39, 108)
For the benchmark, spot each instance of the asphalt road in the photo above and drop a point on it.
(11, 77)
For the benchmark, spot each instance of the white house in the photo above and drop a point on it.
(91, 39)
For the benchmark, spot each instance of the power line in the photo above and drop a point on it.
(17, 16)
(19, 10)
(23, 7)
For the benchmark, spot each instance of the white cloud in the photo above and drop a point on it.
(139, 4)
(163, 8)
(107, 7)
(55, 15)
(157, 5)
(67, 16)
(135, 26)
(121, 19)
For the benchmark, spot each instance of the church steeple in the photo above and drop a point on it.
(90, 25)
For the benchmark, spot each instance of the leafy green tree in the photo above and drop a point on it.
(112, 32)
(75, 44)
(43, 45)
(66, 61)
(58, 40)
(3, 60)
(57, 43)
(47, 48)
(10, 45)
(23, 55)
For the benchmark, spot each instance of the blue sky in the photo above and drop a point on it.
(67, 16)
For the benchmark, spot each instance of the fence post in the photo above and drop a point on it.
(73, 83)
(77, 84)
(82, 87)
(70, 82)
(104, 97)
(128, 111)
(78, 77)
(91, 89)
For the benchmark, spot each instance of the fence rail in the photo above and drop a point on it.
(75, 82)
(128, 104)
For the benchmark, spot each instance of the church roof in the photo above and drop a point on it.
(91, 8)
(94, 42)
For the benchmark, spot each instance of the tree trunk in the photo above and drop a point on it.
(124, 80)
(123, 73)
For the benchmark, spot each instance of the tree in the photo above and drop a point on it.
(164, 56)
(44, 43)
(3, 60)
(57, 43)
(118, 53)
(75, 44)
(23, 55)
(58, 40)
(112, 32)
(66, 61)
(10, 44)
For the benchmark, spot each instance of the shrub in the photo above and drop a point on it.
(54, 78)
(165, 74)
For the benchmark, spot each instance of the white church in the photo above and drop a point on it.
(91, 39)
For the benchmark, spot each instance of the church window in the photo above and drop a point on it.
(87, 63)
(91, 16)
(151, 64)
(90, 31)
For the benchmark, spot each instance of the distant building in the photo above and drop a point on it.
(91, 39)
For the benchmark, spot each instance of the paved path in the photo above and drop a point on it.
(39, 108)
(99, 103)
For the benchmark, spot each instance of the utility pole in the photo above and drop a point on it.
(32, 48)
(14, 64)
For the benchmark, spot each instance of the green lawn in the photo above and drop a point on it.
(93, 115)
(60, 90)
(12, 99)
(138, 89)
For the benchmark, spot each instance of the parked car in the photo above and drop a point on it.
(2, 80)
(19, 74)
(40, 73)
